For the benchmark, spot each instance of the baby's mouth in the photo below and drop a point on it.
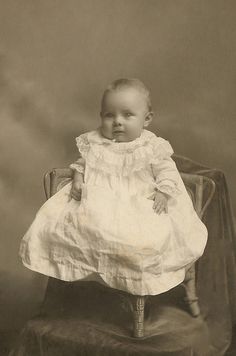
(118, 131)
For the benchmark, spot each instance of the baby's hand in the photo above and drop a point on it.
(76, 190)
(160, 202)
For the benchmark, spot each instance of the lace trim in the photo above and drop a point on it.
(76, 167)
(172, 191)
(125, 157)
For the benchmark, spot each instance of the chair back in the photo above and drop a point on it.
(200, 189)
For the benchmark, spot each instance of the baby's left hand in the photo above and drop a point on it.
(160, 202)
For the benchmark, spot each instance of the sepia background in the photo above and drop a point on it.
(57, 56)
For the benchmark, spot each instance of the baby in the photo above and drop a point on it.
(126, 110)
(126, 219)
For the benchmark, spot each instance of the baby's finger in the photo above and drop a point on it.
(156, 205)
(159, 209)
(76, 195)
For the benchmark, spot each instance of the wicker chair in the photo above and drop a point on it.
(201, 190)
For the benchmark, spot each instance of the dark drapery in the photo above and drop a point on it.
(88, 319)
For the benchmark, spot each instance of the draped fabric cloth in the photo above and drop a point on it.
(89, 319)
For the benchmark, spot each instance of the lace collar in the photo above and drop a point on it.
(122, 158)
(95, 137)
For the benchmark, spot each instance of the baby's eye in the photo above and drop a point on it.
(128, 114)
(109, 115)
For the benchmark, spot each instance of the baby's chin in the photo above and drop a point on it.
(118, 137)
(112, 137)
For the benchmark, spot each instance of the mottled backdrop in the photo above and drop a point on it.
(55, 59)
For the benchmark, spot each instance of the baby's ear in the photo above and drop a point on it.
(148, 119)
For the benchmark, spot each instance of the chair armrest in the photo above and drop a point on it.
(54, 178)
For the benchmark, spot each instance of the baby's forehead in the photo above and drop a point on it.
(125, 93)
(124, 89)
(125, 98)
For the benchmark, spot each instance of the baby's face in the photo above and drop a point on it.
(124, 114)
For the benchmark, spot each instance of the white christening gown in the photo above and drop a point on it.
(113, 234)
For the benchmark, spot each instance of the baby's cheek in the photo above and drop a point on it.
(106, 130)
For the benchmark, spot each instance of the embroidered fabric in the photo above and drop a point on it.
(122, 158)
(169, 189)
(78, 166)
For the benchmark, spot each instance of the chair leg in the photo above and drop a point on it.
(190, 289)
(138, 314)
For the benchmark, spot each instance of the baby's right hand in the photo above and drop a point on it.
(76, 191)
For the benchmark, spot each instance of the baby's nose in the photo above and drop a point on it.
(117, 120)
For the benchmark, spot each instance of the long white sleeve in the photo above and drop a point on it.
(166, 176)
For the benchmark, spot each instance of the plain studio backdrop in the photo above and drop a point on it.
(57, 56)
